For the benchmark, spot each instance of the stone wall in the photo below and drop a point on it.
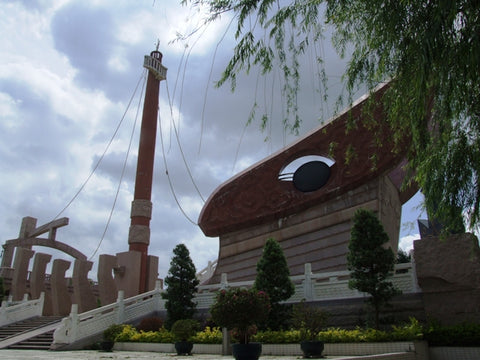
(448, 272)
(318, 235)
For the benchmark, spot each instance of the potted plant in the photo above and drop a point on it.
(240, 310)
(109, 336)
(309, 320)
(182, 331)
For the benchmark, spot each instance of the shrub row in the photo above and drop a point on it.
(459, 335)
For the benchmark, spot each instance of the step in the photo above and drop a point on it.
(39, 342)
(34, 334)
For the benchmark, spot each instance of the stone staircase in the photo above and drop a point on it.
(34, 333)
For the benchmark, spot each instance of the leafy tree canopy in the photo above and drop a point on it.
(430, 52)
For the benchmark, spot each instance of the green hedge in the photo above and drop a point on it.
(465, 334)
(460, 335)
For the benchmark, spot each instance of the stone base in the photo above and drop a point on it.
(448, 272)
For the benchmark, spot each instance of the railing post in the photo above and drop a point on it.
(158, 295)
(74, 317)
(120, 307)
(41, 301)
(224, 281)
(226, 347)
(307, 283)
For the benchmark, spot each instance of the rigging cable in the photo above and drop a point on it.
(166, 171)
(124, 166)
(202, 125)
(103, 155)
(180, 145)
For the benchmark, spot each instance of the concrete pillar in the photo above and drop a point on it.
(28, 225)
(82, 289)
(129, 277)
(37, 277)
(61, 301)
(107, 287)
(20, 272)
(120, 307)
(7, 256)
(307, 283)
(37, 281)
(152, 272)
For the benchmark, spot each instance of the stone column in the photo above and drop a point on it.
(37, 281)
(152, 272)
(20, 272)
(127, 279)
(37, 277)
(82, 289)
(107, 287)
(61, 301)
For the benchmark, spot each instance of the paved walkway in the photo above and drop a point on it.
(7, 354)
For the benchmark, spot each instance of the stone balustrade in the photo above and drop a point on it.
(76, 329)
(14, 311)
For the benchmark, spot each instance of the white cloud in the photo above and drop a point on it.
(67, 72)
(406, 243)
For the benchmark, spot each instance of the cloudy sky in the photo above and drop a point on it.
(71, 74)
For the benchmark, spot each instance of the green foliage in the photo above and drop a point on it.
(273, 274)
(208, 336)
(273, 277)
(430, 52)
(182, 285)
(370, 264)
(337, 335)
(130, 334)
(309, 320)
(111, 333)
(240, 310)
(278, 337)
(184, 329)
(403, 257)
(126, 334)
(408, 331)
(465, 334)
(437, 335)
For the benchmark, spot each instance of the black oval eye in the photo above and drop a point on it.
(311, 176)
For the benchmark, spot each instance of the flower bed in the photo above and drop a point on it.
(344, 349)
(460, 335)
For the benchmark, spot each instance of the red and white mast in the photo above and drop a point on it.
(141, 213)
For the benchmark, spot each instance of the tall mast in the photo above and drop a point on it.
(141, 213)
